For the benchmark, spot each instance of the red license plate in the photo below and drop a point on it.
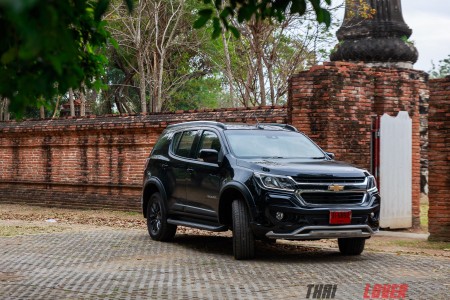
(341, 217)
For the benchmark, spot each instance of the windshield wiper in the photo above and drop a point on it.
(318, 157)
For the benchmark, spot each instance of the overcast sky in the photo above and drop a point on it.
(430, 22)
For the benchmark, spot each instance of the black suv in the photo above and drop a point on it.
(263, 181)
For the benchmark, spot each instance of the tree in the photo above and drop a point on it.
(260, 62)
(441, 70)
(247, 10)
(48, 46)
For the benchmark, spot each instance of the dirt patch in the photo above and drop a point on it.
(21, 219)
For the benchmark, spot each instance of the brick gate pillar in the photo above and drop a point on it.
(334, 103)
(439, 160)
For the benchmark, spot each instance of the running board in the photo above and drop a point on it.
(215, 228)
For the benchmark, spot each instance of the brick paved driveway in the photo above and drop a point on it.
(126, 264)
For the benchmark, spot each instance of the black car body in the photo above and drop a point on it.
(264, 181)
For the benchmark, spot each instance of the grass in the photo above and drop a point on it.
(424, 216)
(15, 230)
(423, 244)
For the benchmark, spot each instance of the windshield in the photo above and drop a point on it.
(271, 144)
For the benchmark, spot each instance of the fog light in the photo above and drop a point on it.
(279, 215)
(372, 215)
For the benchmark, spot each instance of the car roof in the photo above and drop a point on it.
(237, 126)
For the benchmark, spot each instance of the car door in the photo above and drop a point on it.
(182, 151)
(203, 185)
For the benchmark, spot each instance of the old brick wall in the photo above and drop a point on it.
(97, 162)
(439, 160)
(334, 103)
(94, 162)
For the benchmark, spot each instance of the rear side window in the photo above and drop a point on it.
(183, 143)
(162, 146)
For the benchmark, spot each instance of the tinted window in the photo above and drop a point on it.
(185, 143)
(209, 140)
(271, 144)
(162, 146)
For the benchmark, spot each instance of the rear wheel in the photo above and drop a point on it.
(157, 225)
(243, 239)
(351, 246)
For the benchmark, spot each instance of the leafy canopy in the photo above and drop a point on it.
(245, 10)
(49, 46)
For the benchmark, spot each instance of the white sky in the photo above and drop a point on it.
(430, 22)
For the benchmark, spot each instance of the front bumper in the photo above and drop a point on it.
(325, 232)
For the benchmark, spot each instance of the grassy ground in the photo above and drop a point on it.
(424, 216)
(23, 220)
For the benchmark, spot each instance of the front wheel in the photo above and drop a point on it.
(157, 225)
(243, 239)
(351, 246)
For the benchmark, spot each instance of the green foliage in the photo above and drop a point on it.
(245, 10)
(48, 47)
(196, 94)
(442, 70)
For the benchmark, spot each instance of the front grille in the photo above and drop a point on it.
(333, 198)
(328, 180)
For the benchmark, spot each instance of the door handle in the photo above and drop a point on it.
(190, 170)
(164, 166)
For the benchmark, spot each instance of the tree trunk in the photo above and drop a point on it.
(262, 90)
(159, 84)
(2, 109)
(56, 106)
(259, 63)
(142, 91)
(71, 102)
(228, 66)
(82, 104)
(272, 89)
(6, 114)
(247, 88)
(155, 81)
(42, 112)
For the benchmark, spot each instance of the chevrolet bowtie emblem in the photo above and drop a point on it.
(336, 188)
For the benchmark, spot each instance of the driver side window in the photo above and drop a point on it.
(209, 147)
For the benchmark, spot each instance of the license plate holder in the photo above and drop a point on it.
(340, 217)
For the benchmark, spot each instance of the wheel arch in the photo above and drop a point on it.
(230, 192)
(153, 185)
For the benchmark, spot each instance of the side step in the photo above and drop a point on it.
(215, 228)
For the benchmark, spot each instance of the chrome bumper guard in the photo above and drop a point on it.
(325, 232)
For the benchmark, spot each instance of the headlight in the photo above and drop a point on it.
(276, 182)
(371, 183)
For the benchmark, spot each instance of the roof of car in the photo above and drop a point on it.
(237, 126)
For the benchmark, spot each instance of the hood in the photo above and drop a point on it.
(305, 168)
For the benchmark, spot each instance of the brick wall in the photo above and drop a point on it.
(439, 160)
(94, 162)
(334, 103)
(97, 161)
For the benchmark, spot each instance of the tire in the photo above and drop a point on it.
(243, 239)
(351, 246)
(158, 228)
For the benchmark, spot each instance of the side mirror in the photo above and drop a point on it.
(330, 155)
(209, 155)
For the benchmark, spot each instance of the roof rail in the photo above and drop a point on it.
(284, 126)
(197, 123)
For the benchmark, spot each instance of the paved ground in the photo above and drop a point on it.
(127, 264)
